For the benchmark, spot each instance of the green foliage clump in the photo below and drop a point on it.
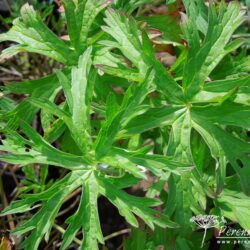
(192, 135)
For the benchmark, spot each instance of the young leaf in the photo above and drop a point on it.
(128, 205)
(204, 56)
(127, 36)
(86, 217)
(80, 17)
(220, 143)
(81, 90)
(138, 50)
(42, 222)
(34, 36)
(133, 97)
(217, 90)
(91, 224)
(157, 164)
(179, 141)
(36, 150)
(153, 118)
(234, 206)
(228, 113)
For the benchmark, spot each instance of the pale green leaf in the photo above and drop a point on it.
(157, 164)
(34, 36)
(36, 150)
(80, 17)
(220, 143)
(234, 206)
(133, 97)
(128, 204)
(203, 56)
(152, 118)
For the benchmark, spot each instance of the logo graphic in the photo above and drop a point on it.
(205, 222)
(227, 234)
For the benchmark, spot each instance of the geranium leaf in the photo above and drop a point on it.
(204, 56)
(132, 98)
(34, 36)
(128, 205)
(80, 17)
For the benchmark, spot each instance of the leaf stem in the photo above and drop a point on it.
(61, 230)
(115, 234)
(204, 236)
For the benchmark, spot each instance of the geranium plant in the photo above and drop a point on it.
(115, 115)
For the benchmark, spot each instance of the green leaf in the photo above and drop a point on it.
(34, 36)
(19, 206)
(108, 62)
(6, 104)
(50, 107)
(81, 90)
(232, 67)
(124, 181)
(216, 91)
(157, 164)
(47, 119)
(170, 1)
(39, 87)
(228, 113)
(91, 226)
(219, 142)
(64, 81)
(234, 206)
(180, 202)
(119, 71)
(36, 150)
(42, 222)
(137, 48)
(179, 142)
(86, 217)
(198, 11)
(133, 97)
(133, 242)
(55, 131)
(226, 85)
(179, 131)
(130, 45)
(65, 116)
(46, 87)
(128, 204)
(153, 118)
(179, 146)
(80, 17)
(205, 55)
(11, 51)
(122, 162)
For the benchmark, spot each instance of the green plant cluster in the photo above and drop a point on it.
(123, 117)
